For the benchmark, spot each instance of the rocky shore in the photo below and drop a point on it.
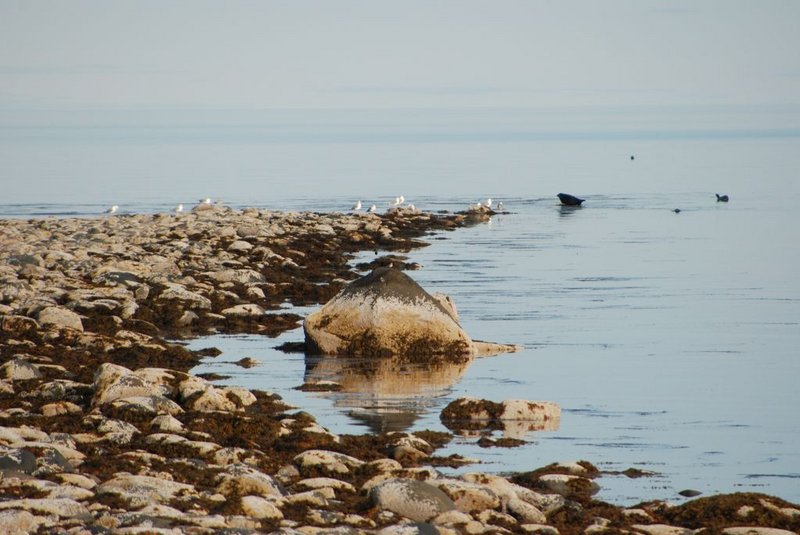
(103, 430)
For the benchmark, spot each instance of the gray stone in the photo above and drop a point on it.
(240, 246)
(60, 317)
(60, 507)
(17, 460)
(526, 512)
(330, 461)
(242, 276)
(261, 508)
(242, 479)
(178, 293)
(416, 500)
(386, 313)
(139, 491)
(18, 325)
(248, 310)
(147, 405)
(18, 521)
(468, 497)
(751, 530)
(20, 370)
(567, 485)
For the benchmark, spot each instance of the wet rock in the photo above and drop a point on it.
(167, 424)
(114, 382)
(468, 497)
(146, 405)
(567, 485)
(179, 294)
(60, 408)
(515, 417)
(241, 479)
(539, 529)
(138, 491)
(750, 530)
(244, 311)
(314, 498)
(240, 246)
(453, 517)
(507, 490)
(60, 318)
(17, 460)
(386, 313)
(18, 521)
(328, 461)
(526, 512)
(661, 529)
(416, 500)
(200, 447)
(258, 507)
(116, 431)
(324, 482)
(59, 507)
(18, 325)
(20, 370)
(187, 318)
(211, 399)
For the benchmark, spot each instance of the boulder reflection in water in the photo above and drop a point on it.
(388, 394)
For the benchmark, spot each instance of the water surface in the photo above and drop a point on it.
(669, 340)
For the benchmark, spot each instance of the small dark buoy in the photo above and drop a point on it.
(677, 210)
(569, 200)
(721, 198)
(631, 156)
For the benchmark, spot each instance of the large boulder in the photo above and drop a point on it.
(386, 313)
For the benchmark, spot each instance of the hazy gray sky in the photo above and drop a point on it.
(412, 53)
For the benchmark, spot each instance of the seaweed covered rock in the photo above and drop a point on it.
(515, 417)
(387, 313)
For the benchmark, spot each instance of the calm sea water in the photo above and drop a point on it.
(669, 340)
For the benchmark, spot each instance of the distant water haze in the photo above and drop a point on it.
(130, 158)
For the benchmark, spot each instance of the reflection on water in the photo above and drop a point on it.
(387, 394)
(566, 211)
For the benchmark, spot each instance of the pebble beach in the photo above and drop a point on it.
(104, 430)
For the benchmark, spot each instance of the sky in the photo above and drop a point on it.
(111, 101)
(345, 54)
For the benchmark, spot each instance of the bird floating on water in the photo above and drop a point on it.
(677, 210)
(113, 209)
(570, 200)
(721, 198)
(356, 206)
(500, 206)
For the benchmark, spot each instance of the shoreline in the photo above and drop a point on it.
(94, 391)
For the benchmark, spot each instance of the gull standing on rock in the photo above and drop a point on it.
(113, 209)
(207, 200)
(179, 209)
(373, 209)
(357, 206)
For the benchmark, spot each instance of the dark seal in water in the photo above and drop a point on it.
(569, 200)
(721, 198)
